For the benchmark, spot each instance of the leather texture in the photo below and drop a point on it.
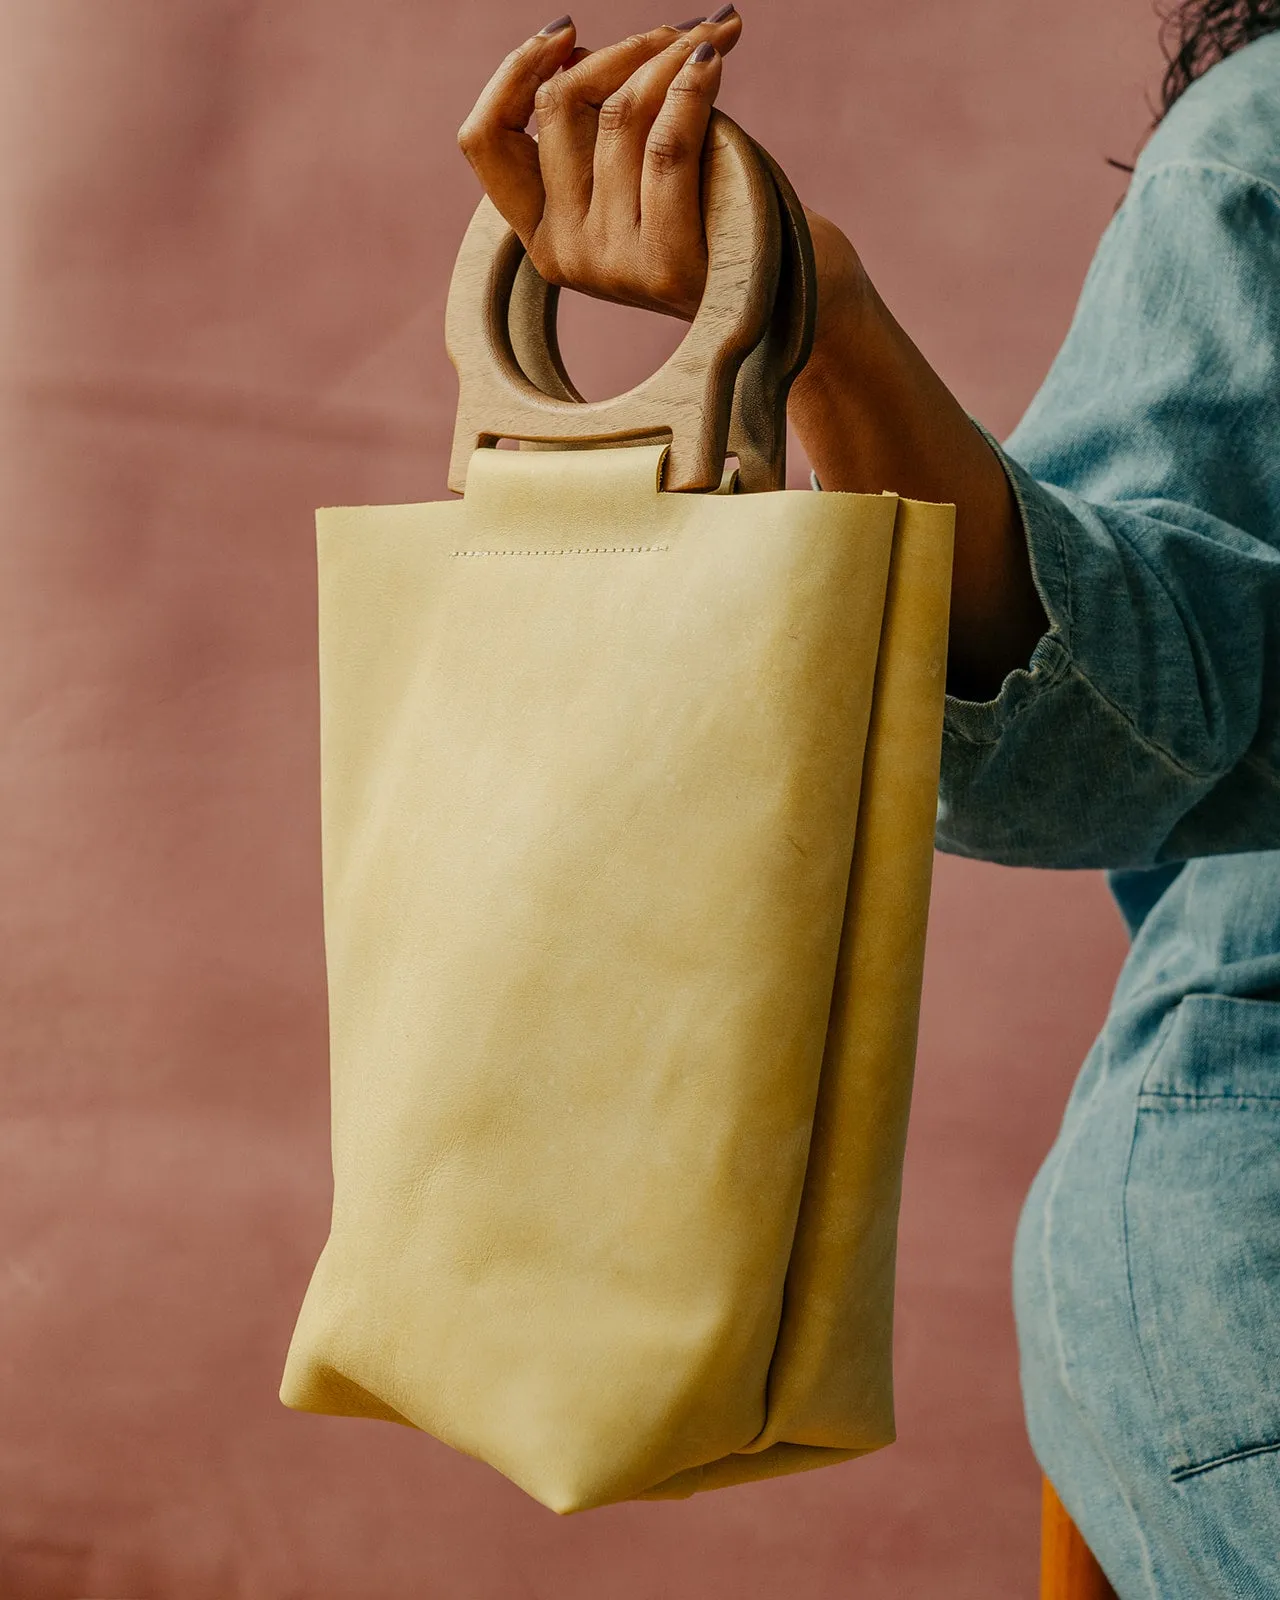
(627, 819)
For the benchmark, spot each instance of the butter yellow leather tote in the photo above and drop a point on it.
(629, 763)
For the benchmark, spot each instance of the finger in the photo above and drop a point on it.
(493, 138)
(626, 120)
(722, 27)
(671, 181)
(568, 108)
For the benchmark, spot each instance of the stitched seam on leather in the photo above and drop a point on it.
(573, 550)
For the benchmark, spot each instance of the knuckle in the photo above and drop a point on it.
(684, 89)
(667, 152)
(666, 285)
(619, 111)
(550, 98)
(548, 270)
(548, 262)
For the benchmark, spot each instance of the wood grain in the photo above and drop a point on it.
(722, 391)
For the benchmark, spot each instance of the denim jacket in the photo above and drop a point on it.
(1144, 732)
(1143, 736)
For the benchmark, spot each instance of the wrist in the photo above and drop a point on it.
(845, 314)
(845, 337)
(843, 399)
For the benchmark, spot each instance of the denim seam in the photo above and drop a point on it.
(1049, 678)
(1257, 764)
(1060, 510)
(1201, 775)
(1059, 1345)
(1253, 178)
(1161, 1040)
(1070, 667)
(1190, 1099)
(1067, 631)
(1160, 753)
(1198, 1468)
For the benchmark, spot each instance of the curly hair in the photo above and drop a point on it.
(1197, 33)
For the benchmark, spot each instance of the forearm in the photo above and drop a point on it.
(873, 415)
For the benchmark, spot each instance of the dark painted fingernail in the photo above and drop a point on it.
(705, 51)
(558, 26)
(683, 27)
(723, 14)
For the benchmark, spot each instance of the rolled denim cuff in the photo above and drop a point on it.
(1042, 517)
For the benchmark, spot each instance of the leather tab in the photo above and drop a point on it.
(563, 499)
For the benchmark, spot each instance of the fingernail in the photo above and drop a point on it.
(723, 14)
(683, 27)
(705, 51)
(558, 26)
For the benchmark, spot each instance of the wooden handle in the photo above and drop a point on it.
(758, 430)
(724, 390)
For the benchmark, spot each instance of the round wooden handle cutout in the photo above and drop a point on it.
(729, 376)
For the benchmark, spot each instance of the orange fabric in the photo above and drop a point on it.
(1068, 1570)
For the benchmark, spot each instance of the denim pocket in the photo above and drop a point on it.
(1202, 1230)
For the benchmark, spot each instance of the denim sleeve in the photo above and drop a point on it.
(1145, 728)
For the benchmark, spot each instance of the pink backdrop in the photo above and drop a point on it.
(228, 229)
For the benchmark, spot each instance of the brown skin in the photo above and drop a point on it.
(607, 201)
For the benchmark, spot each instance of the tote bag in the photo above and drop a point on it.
(629, 765)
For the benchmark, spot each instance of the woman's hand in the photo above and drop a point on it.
(607, 200)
